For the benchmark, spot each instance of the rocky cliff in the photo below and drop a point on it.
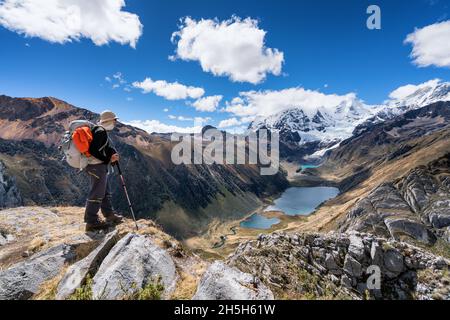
(416, 205)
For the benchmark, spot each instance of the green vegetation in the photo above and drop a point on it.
(153, 290)
(84, 292)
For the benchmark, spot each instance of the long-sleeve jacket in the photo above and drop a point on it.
(101, 147)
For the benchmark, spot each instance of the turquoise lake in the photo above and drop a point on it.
(293, 202)
(308, 166)
(303, 201)
(258, 221)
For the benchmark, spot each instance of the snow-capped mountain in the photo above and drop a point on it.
(422, 95)
(325, 128)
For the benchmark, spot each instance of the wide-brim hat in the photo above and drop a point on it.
(107, 116)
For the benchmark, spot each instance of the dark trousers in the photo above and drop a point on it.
(100, 194)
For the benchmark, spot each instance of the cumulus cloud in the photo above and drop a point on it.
(156, 126)
(169, 91)
(407, 90)
(61, 21)
(207, 104)
(266, 103)
(431, 45)
(229, 123)
(233, 48)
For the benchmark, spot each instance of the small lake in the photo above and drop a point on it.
(258, 221)
(308, 166)
(302, 200)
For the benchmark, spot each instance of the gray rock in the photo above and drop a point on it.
(440, 219)
(412, 228)
(393, 263)
(447, 235)
(24, 279)
(3, 240)
(376, 253)
(221, 282)
(77, 273)
(356, 248)
(332, 266)
(352, 267)
(346, 282)
(133, 262)
(9, 193)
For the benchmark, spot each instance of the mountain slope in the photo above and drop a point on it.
(183, 199)
(393, 179)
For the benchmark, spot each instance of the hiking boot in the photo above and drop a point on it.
(114, 218)
(97, 226)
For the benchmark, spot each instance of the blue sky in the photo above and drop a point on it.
(325, 45)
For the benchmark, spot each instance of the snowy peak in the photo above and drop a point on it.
(328, 126)
(413, 97)
(322, 125)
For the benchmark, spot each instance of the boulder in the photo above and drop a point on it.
(221, 282)
(376, 253)
(393, 263)
(77, 273)
(134, 262)
(24, 279)
(352, 267)
(416, 230)
(331, 265)
(356, 248)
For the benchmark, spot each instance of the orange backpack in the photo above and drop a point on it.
(82, 138)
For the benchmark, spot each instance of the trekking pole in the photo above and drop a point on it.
(126, 194)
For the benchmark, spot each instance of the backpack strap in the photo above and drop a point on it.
(107, 140)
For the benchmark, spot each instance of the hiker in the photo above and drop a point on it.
(102, 155)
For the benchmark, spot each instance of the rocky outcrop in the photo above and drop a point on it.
(24, 279)
(9, 193)
(337, 266)
(133, 263)
(416, 206)
(47, 255)
(77, 273)
(221, 282)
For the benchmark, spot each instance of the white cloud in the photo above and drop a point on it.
(405, 91)
(181, 118)
(266, 103)
(107, 79)
(129, 99)
(118, 76)
(166, 110)
(152, 126)
(229, 123)
(170, 91)
(431, 45)
(233, 48)
(207, 104)
(61, 21)
(196, 119)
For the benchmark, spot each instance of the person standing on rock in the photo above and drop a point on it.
(103, 154)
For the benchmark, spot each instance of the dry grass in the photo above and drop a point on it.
(49, 288)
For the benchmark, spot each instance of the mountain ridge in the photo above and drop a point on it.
(308, 135)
